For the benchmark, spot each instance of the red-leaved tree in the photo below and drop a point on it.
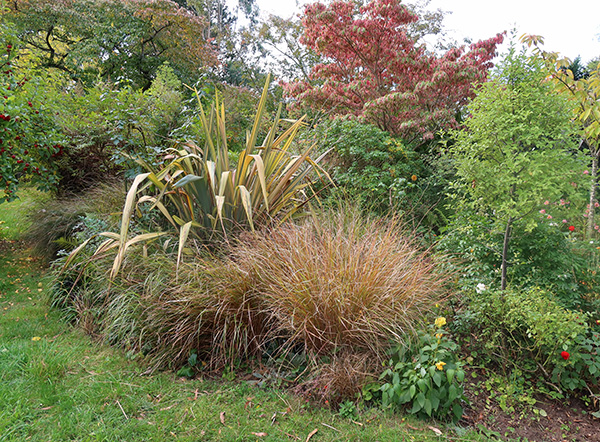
(372, 68)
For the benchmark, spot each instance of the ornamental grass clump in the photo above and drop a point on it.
(340, 283)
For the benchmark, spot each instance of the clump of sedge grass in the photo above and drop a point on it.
(340, 378)
(54, 222)
(340, 283)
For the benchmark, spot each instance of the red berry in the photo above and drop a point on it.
(565, 355)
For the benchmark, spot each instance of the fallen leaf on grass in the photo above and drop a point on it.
(36, 338)
(435, 430)
(222, 417)
(259, 434)
(196, 393)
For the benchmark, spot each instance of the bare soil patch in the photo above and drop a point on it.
(566, 420)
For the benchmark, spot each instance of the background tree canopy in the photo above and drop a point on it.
(112, 39)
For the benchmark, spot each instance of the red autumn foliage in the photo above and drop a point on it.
(372, 68)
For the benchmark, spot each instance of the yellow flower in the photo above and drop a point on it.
(440, 365)
(440, 322)
(36, 338)
(439, 335)
(414, 178)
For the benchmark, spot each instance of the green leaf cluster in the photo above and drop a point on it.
(200, 188)
(428, 377)
(200, 194)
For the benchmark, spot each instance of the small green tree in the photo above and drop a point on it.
(516, 149)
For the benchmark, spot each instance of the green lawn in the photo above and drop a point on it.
(57, 384)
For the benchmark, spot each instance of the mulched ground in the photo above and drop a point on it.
(570, 421)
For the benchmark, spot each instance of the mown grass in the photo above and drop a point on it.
(56, 384)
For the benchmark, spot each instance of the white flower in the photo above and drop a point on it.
(480, 287)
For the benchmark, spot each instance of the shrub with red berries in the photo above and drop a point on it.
(28, 142)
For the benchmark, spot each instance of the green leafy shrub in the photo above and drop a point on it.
(426, 375)
(108, 124)
(379, 170)
(528, 330)
(29, 141)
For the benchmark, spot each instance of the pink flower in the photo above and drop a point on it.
(564, 221)
(549, 217)
(596, 204)
(585, 172)
(546, 202)
(542, 211)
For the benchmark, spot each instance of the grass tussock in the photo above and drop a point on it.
(56, 222)
(341, 378)
(339, 283)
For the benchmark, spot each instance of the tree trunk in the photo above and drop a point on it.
(592, 209)
(505, 252)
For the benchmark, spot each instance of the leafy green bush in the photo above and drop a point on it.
(529, 331)
(29, 141)
(426, 375)
(108, 124)
(379, 170)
